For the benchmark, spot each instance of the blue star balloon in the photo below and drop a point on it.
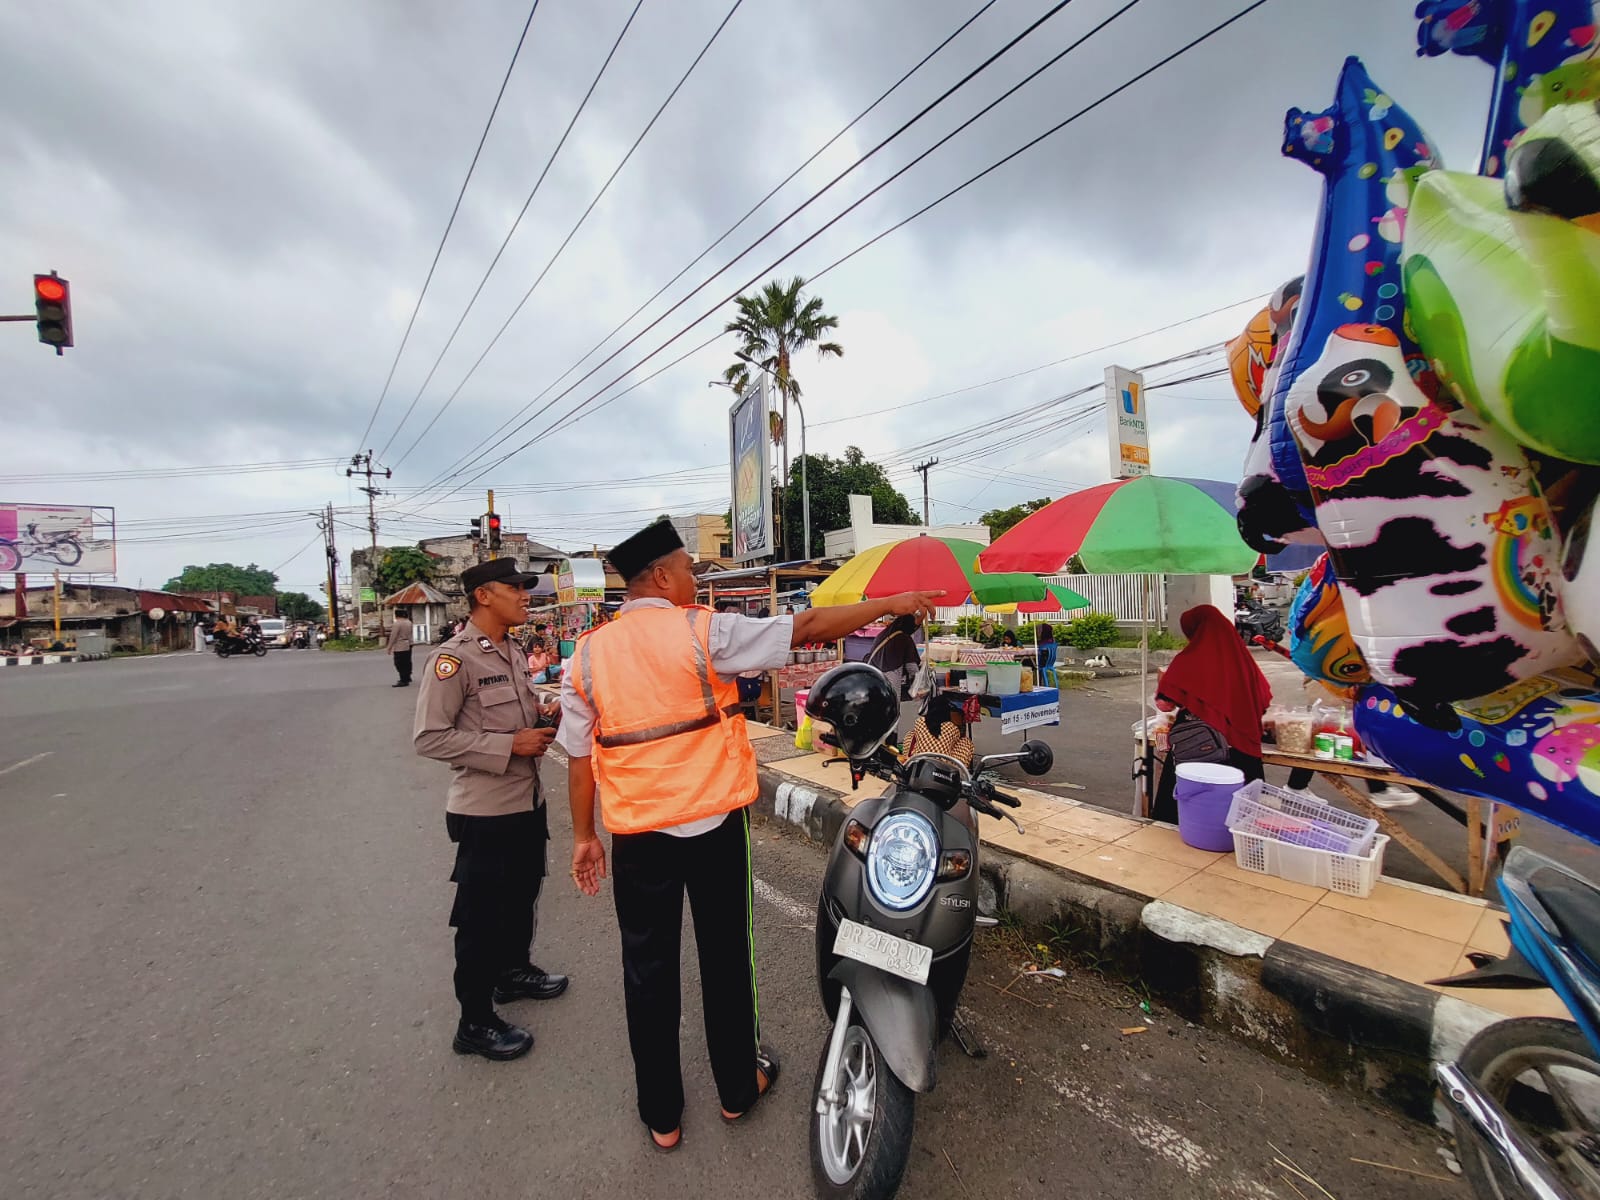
(1371, 152)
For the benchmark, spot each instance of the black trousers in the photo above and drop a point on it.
(499, 870)
(649, 874)
(402, 664)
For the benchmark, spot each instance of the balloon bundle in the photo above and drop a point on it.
(1427, 408)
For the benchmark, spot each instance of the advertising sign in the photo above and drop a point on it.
(749, 443)
(52, 537)
(580, 579)
(1125, 423)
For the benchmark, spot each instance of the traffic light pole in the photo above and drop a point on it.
(493, 549)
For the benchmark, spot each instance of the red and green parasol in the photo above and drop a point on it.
(925, 564)
(1058, 599)
(1146, 525)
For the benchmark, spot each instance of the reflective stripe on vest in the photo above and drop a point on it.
(712, 716)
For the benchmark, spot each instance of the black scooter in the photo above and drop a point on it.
(895, 923)
(1254, 619)
(226, 645)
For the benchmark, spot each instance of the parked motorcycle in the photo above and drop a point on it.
(1254, 619)
(1525, 1093)
(894, 931)
(226, 644)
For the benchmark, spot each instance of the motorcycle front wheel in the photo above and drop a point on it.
(68, 554)
(261, 650)
(859, 1150)
(1544, 1076)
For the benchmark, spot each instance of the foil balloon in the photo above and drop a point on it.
(1580, 583)
(1250, 354)
(1544, 52)
(1443, 547)
(1506, 301)
(1371, 154)
(1270, 518)
(1534, 745)
(1319, 632)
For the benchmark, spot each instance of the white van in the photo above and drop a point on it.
(274, 631)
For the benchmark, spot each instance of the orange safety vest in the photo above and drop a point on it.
(670, 743)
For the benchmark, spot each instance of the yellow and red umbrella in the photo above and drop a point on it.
(925, 564)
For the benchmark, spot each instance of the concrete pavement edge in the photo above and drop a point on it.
(1336, 1021)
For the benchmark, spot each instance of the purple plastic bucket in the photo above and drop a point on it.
(1204, 791)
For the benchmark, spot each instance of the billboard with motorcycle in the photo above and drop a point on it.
(81, 540)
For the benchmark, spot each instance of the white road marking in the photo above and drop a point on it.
(800, 914)
(1154, 1135)
(25, 762)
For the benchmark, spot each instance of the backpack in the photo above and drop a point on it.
(1192, 740)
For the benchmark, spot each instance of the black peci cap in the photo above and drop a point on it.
(497, 570)
(643, 548)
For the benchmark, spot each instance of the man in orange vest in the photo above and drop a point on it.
(650, 713)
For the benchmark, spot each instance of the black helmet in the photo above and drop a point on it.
(860, 703)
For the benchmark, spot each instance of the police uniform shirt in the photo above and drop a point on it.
(738, 644)
(476, 694)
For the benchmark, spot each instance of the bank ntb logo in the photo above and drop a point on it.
(1130, 398)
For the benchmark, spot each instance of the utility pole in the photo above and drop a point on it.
(923, 469)
(325, 523)
(361, 464)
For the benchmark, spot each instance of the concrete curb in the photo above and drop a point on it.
(1336, 1021)
(44, 660)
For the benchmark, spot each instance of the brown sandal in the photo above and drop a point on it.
(665, 1149)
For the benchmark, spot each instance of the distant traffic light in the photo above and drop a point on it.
(494, 530)
(52, 302)
(477, 530)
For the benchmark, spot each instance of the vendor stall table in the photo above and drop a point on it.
(1339, 774)
(1507, 824)
(1025, 710)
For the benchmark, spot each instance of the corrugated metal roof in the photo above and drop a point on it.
(417, 593)
(172, 602)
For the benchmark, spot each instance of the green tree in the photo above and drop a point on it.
(297, 606)
(400, 566)
(772, 326)
(831, 482)
(225, 577)
(1001, 519)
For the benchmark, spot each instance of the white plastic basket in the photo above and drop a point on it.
(1279, 815)
(1278, 833)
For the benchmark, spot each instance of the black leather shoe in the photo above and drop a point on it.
(529, 983)
(499, 1041)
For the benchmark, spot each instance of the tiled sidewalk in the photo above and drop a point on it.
(1403, 930)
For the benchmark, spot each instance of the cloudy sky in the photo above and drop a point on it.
(246, 198)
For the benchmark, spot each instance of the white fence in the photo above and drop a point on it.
(1118, 595)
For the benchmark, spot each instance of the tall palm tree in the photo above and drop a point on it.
(772, 325)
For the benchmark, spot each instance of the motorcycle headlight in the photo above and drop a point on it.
(902, 860)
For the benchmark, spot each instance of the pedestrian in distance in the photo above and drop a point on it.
(650, 713)
(400, 644)
(477, 711)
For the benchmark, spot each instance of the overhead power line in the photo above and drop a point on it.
(1186, 48)
(534, 191)
(571, 233)
(137, 473)
(450, 224)
(926, 109)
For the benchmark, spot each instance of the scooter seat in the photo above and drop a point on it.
(1574, 906)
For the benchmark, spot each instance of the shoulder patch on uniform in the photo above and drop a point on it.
(485, 644)
(445, 666)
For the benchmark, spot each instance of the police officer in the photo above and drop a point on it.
(478, 712)
(650, 711)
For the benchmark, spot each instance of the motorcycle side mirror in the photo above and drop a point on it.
(1037, 758)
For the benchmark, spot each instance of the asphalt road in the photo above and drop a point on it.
(225, 971)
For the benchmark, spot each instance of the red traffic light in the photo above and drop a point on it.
(52, 304)
(49, 289)
(494, 521)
